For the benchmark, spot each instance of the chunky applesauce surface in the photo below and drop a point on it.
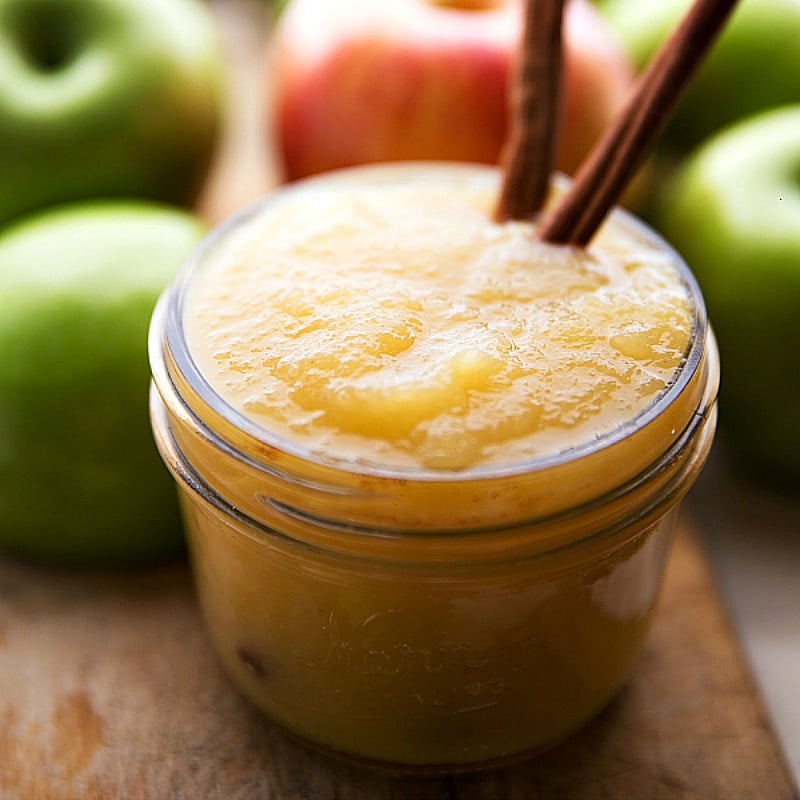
(398, 324)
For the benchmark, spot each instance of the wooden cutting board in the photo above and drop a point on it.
(109, 688)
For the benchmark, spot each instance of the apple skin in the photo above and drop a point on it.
(360, 81)
(81, 481)
(754, 66)
(733, 211)
(106, 98)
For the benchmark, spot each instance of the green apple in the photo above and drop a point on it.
(734, 213)
(106, 98)
(754, 66)
(81, 481)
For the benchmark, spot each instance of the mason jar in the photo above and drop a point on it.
(419, 616)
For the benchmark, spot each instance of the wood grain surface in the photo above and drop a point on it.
(109, 688)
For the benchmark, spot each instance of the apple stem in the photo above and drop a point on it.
(603, 176)
(529, 154)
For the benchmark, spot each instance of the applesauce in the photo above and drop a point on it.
(429, 466)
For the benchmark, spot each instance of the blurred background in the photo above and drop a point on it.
(129, 127)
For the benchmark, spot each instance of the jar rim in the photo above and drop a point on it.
(511, 539)
(167, 336)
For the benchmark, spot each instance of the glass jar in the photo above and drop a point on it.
(419, 617)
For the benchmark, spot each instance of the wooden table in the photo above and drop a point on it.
(109, 688)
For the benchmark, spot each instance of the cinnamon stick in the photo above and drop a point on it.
(602, 177)
(535, 100)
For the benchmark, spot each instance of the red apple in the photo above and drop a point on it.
(360, 81)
